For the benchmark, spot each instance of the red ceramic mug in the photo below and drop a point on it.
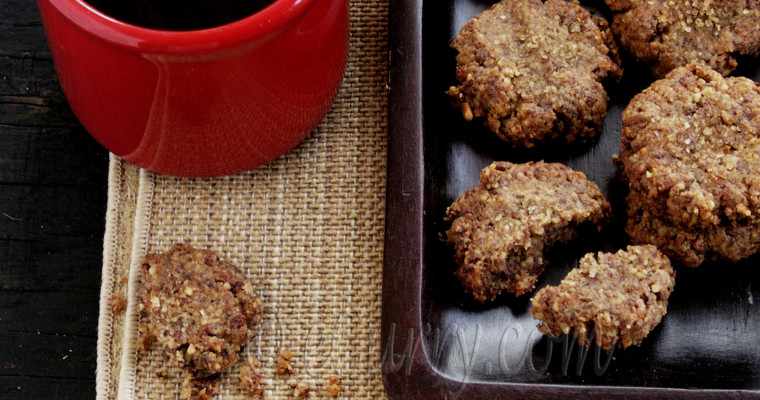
(206, 102)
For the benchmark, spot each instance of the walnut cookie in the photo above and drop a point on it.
(533, 71)
(200, 310)
(623, 296)
(671, 33)
(501, 227)
(690, 153)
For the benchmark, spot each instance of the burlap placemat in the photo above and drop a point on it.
(307, 229)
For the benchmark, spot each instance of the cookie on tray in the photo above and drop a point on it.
(200, 309)
(501, 227)
(667, 34)
(690, 154)
(532, 70)
(619, 297)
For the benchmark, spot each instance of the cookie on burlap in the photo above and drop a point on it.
(200, 309)
(501, 227)
(690, 154)
(621, 296)
(532, 70)
(667, 34)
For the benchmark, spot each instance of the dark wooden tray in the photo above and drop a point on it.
(439, 344)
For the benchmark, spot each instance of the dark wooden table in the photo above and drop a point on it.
(53, 180)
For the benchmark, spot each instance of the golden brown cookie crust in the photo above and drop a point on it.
(621, 296)
(532, 70)
(500, 228)
(667, 34)
(690, 153)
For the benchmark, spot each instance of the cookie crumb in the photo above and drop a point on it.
(333, 387)
(284, 366)
(301, 389)
(196, 388)
(250, 378)
(145, 337)
(117, 304)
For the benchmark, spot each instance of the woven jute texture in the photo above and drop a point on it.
(306, 228)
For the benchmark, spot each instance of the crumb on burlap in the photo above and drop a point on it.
(145, 338)
(196, 388)
(284, 366)
(250, 378)
(117, 304)
(301, 389)
(333, 387)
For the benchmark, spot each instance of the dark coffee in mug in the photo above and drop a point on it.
(179, 15)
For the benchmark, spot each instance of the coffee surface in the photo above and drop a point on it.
(179, 15)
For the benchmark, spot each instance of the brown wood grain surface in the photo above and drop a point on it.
(53, 180)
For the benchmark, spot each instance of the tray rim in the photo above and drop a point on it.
(408, 374)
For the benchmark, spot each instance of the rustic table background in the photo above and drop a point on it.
(52, 214)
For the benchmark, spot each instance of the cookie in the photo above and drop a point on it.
(691, 247)
(690, 153)
(613, 299)
(532, 70)
(667, 34)
(500, 228)
(200, 309)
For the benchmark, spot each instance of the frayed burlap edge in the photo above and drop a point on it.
(121, 214)
(139, 248)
